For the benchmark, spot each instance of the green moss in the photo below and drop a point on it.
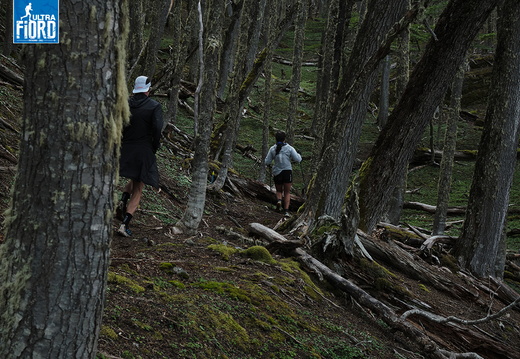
(227, 327)
(385, 285)
(167, 267)
(325, 229)
(224, 288)
(177, 284)
(375, 269)
(450, 262)
(225, 251)
(424, 288)
(108, 332)
(259, 253)
(124, 281)
(141, 325)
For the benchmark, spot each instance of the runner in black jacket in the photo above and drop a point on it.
(139, 144)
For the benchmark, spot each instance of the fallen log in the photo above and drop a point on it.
(261, 191)
(429, 347)
(431, 337)
(418, 206)
(431, 209)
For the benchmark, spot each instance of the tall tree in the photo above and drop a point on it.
(56, 251)
(232, 22)
(330, 60)
(157, 22)
(179, 20)
(212, 45)
(402, 74)
(389, 159)
(482, 246)
(270, 20)
(294, 87)
(384, 92)
(239, 90)
(448, 151)
(343, 129)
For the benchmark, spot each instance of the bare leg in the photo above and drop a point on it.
(286, 195)
(135, 195)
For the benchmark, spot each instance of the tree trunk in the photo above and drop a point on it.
(157, 26)
(56, 253)
(270, 21)
(403, 59)
(299, 37)
(343, 129)
(482, 246)
(395, 207)
(212, 39)
(389, 159)
(241, 86)
(233, 10)
(450, 142)
(179, 46)
(384, 92)
(136, 42)
(338, 19)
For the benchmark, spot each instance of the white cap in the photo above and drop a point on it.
(142, 84)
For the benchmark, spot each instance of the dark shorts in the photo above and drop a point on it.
(283, 177)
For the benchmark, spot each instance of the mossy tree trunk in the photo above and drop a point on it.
(57, 245)
(212, 51)
(394, 148)
(482, 246)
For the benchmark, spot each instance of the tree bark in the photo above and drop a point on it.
(384, 92)
(299, 37)
(338, 19)
(450, 142)
(341, 136)
(211, 58)
(393, 150)
(482, 246)
(270, 21)
(56, 253)
(241, 87)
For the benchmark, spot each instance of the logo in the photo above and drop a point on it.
(35, 21)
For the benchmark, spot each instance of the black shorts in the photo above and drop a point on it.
(283, 177)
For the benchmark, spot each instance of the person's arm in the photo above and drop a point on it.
(295, 156)
(157, 127)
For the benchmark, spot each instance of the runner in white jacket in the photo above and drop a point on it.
(282, 154)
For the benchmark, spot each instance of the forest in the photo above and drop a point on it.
(406, 114)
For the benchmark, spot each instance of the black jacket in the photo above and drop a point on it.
(141, 139)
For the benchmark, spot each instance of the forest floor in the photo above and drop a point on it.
(216, 295)
(220, 295)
